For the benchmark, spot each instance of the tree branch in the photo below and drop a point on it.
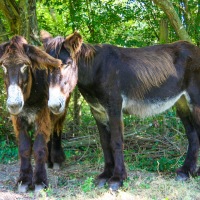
(9, 9)
(173, 17)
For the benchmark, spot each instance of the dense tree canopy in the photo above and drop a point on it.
(121, 22)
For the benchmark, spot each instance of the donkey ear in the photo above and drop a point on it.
(45, 37)
(40, 57)
(73, 42)
(2, 50)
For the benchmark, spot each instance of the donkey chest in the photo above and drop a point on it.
(145, 108)
(29, 115)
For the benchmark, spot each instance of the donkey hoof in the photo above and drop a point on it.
(39, 187)
(22, 188)
(182, 177)
(114, 186)
(100, 183)
(56, 166)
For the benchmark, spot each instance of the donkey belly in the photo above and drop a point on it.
(145, 108)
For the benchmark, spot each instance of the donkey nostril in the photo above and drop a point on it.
(55, 107)
(58, 106)
(14, 106)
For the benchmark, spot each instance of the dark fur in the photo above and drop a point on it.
(34, 84)
(107, 74)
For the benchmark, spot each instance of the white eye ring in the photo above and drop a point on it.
(65, 66)
(4, 69)
(23, 68)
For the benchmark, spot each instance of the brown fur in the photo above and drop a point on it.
(33, 109)
(143, 81)
(150, 75)
(22, 53)
(44, 123)
(197, 114)
(15, 126)
(73, 42)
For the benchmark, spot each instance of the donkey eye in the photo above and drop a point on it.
(4, 69)
(23, 68)
(68, 64)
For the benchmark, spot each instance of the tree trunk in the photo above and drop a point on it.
(163, 31)
(76, 93)
(169, 10)
(77, 109)
(197, 26)
(22, 19)
(3, 34)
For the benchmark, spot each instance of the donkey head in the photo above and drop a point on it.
(64, 79)
(18, 60)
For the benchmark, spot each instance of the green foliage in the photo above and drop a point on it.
(8, 149)
(8, 152)
(88, 184)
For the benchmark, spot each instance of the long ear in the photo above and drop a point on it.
(45, 37)
(42, 59)
(2, 50)
(73, 42)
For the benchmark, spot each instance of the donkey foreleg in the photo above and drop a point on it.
(117, 145)
(26, 171)
(40, 152)
(24, 145)
(108, 156)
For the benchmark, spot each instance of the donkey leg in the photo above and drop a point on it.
(57, 154)
(49, 144)
(108, 156)
(40, 150)
(197, 119)
(26, 171)
(40, 155)
(189, 166)
(116, 129)
(24, 145)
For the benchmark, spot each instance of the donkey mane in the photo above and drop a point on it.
(87, 51)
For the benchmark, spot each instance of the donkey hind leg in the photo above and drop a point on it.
(26, 171)
(40, 155)
(197, 117)
(56, 154)
(49, 144)
(191, 129)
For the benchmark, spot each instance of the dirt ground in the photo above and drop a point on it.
(68, 183)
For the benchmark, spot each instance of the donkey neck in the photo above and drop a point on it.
(87, 63)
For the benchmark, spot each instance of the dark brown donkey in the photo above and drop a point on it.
(140, 81)
(26, 82)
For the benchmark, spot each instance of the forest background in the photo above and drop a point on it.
(155, 144)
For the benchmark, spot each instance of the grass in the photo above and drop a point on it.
(141, 185)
